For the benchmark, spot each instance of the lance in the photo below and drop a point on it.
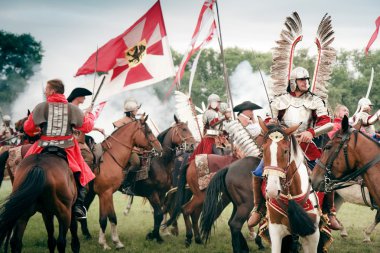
(370, 84)
(225, 73)
(266, 91)
(95, 71)
(97, 92)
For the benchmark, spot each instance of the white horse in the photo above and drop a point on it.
(287, 190)
(353, 194)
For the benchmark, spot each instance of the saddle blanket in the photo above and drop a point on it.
(208, 165)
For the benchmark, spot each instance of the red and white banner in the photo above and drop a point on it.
(203, 34)
(98, 108)
(374, 35)
(138, 57)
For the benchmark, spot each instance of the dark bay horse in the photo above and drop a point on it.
(159, 182)
(231, 184)
(117, 150)
(43, 183)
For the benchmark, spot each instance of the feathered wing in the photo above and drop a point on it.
(325, 58)
(283, 53)
(186, 113)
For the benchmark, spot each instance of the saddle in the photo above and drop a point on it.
(60, 152)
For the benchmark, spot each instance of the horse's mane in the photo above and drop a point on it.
(161, 136)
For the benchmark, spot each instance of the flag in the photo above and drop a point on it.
(98, 108)
(374, 35)
(205, 24)
(138, 57)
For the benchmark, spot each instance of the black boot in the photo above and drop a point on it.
(79, 210)
(128, 183)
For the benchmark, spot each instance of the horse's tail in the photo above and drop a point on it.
(3, 160)
(212, 204)
(180, 196)
(300, 222)
(20, 200)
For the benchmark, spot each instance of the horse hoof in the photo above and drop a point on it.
(165, 232)
(367, 240)
(198, 241)
(160, 240)
(87, 237)
(344, 235)
(149, 236)
(174, 231)
(119, 245)
(126, 212)
(106, 247)
(187, 243)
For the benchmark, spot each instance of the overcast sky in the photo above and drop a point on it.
(70, 31)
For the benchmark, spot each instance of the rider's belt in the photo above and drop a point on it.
(212, 132)
(59, 141)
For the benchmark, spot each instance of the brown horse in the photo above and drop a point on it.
(44, 183)
(109, 173)
(349, 154)
(159, 182)
(293, 209)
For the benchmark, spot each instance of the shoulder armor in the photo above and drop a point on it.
(77, 115)
(40, 113)
(281, 102)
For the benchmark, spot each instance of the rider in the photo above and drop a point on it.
(363, 114)
(298, 106)
(339, 113)
(77, 97)
(55, 120)
(211, 120)
(6, 131)
(131, 110)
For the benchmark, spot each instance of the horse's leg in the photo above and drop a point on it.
(127, 209)
(87, 202)
(338, 202)
(75, 244)
(155, 202)
(368, 231)
(236, 222)
(64, 223)
(17, 234)
(277, 232)
(113, 222)
(195, 220)
(103, 212)
(49, 225)
(310, 243)
(189, 230)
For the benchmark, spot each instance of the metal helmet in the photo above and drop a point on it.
(364, 105)
(223, 108)
(131, 104)
(213, 98)
(298, 73)
(6, 118)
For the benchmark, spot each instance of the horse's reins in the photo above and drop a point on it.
(183, 139)
(332, 183)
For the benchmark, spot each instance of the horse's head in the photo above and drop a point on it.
(337, 159)
(181, 135)
(145, 138)
(19, 127)
(276, 155)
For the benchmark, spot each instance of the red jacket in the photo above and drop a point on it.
(76, 162)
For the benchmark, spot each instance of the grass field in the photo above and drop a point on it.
(133, 228)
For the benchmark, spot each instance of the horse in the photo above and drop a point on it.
(349, 154)
(193, 206)
(231, 184)
(292, 206)
(44, 183)
(358, 195)
(117, 150)
(159, 180)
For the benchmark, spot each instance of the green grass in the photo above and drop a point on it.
(134, 227)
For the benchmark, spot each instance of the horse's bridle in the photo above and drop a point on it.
(333, 183)
(184, 145)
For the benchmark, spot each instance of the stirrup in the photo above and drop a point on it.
(79, 213)
(128, 191)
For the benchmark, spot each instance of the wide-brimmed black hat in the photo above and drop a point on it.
(246, 105)
(78, 92)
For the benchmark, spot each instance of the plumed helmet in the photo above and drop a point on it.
(131, 104)
(213, 98)
(224, 108)
(7, 118)
(298, 73)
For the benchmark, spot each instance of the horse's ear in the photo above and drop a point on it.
(28, 112)
(262, 125)
(146, 118)
(292, 129)
(345, 124)
(176, 119)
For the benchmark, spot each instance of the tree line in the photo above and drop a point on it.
(21, 54)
